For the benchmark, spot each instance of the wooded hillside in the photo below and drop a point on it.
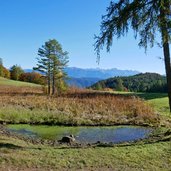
(148, 82)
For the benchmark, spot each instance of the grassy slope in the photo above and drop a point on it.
(155, 156)
(7, 82)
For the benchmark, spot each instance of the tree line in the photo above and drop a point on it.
(18, 74)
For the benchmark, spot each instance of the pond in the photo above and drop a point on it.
(114, 134)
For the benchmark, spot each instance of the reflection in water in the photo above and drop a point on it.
(115, 134)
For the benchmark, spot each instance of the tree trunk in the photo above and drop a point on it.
(49, 75)
(53, 85)
(166, 50)
(48, 85)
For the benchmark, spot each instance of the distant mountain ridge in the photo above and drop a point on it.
(82, 78)
(97, 72)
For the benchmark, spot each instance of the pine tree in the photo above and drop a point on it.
(51, 62)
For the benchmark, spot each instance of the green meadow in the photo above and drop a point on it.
(8, 82)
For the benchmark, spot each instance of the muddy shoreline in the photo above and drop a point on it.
(155, 137)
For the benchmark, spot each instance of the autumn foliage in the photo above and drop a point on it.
(32, 77)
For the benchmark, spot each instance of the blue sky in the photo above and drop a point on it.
(27, 24)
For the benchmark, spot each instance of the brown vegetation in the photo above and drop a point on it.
(75, 107)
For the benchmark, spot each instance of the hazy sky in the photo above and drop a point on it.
(27, 24)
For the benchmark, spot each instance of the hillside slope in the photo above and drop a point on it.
(147, 82)
(8, 82)
(82, 82)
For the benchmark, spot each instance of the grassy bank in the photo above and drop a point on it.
(16, 154)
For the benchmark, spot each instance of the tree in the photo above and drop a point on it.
(51, 62)
(146, 18)
(97, 86)
(119, 85)
(6, 73)
(61, 86)
(1, 68)
(59, 61)
(15, 72)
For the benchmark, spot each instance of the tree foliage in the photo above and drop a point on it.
(147, 18)
(1, 68)
(4, 72)
(32, 77)
(15, 72)
(51, 62)
(143, 16)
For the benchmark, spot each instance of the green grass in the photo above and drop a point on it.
(155, 156)
(159, 101)
(8, 82)
(161, 105)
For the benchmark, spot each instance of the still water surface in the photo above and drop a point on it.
(114, 134)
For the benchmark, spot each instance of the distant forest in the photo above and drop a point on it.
(148, 82)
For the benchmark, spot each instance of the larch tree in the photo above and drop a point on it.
(51, 61)
(147, 18)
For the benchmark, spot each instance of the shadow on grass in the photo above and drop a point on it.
(150, 96)
(10, 146)
(146, 96)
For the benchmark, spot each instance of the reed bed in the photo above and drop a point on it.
(75, 107)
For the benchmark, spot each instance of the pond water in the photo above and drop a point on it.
(114, 134)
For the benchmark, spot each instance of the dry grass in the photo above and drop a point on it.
(20, 90)
(75, 107)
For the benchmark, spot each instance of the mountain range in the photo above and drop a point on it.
(82, 78)
(98, 73)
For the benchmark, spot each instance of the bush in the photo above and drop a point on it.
(32, 77)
